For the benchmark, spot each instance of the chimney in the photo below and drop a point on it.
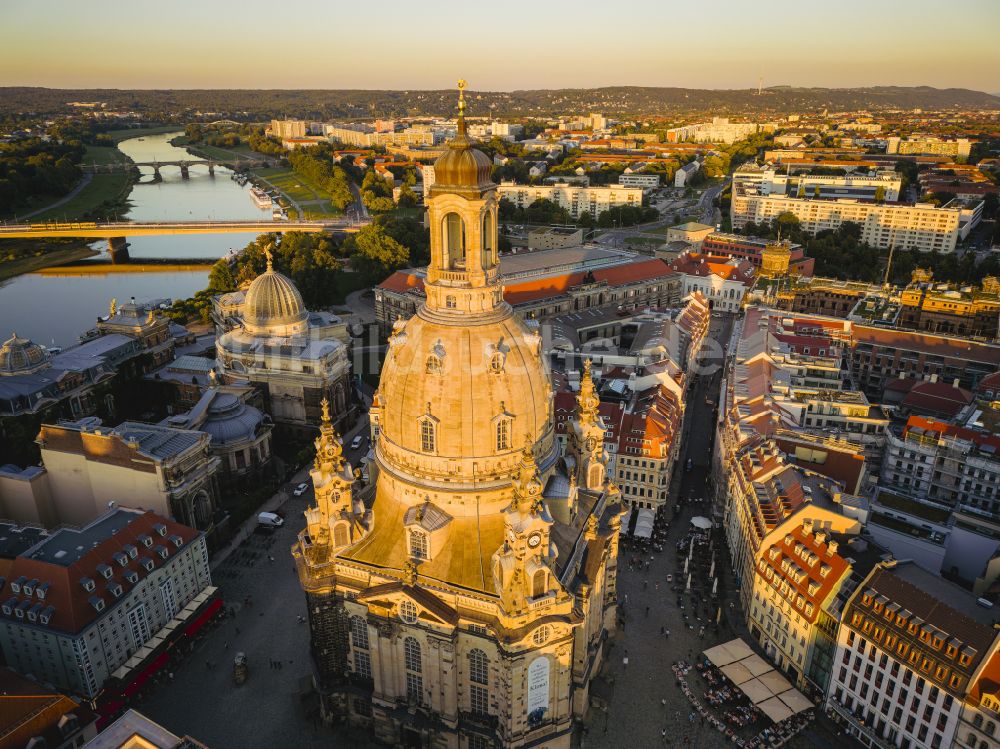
(831, 548)
(820, 537)
(807, 526)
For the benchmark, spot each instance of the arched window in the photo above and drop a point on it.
(479, 678)
(418, 544)
(488, 230)
(990, 727)
(414, 681)
(978, 720)
(479, 667)
(454, 241)
(359, 632)
(503, 435)
(411, 652)
(433, 364)
(449, 302)
(340, 536)
(428, 436)
(594, 477)
(538, 584)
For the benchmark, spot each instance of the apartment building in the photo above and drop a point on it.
(956, 148)
(950, 310)
(719, 130)
(288, 129)
(366, 136)
(751, 249)
(79, 604)
(766, 179)
(979, 727)
(638, 179)
(574, 198)
(923, 227)
(907, 651)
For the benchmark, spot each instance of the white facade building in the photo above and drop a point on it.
(573, 198)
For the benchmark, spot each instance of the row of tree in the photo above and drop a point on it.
(32, 168)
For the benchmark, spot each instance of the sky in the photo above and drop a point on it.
(510, 45)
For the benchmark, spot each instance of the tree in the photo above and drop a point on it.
(221, 277)
(376, 253)
(880, 194)
(407, 198)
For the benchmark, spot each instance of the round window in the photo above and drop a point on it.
(541, 635)
(408, 612)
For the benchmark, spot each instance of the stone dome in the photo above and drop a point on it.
(463, 381)
(20, 356)
(231, 420)
(462, 166)
(273, 306)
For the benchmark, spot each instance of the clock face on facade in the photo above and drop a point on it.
(534, 539)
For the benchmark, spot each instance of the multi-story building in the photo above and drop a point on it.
(979, 727)
(366, 136)
(464, 605)
(824, 296)
(684, 174)
(923, 226)
(751, 249)
(552, 237)
(719, 130)
(908, 648)
(574, 198)
(756, 179)
(80, 604)
(951, 310)
(86, 465)
(799, 573)
(267, 338)
(284, 129)
(958, 148)
(722, 281)
(641, 180)
(551, 282)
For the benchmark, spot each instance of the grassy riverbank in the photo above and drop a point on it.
(49, 258)
(104, 268)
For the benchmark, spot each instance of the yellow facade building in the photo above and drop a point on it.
(466, 602)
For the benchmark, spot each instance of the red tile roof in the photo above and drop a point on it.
(955, 348)
(943, 428)
(67, 595)
(529, 291)
(938, 398)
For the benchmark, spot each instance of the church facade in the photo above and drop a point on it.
(466, 603)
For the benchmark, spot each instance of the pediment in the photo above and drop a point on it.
(429, 606)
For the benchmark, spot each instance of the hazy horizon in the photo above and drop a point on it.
(520, 46)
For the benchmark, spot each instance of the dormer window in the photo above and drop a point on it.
(87, 583)
(162, 551)
(160, 528)
(147, 564)
(33, 612)
(29, 587)
(8, 606)
(15, 587)
(97, 603)
(146, 541)
(104, 570)
(115, 588)
(418, 544)
(121, 558)
(177, 541)
(132, 577)
(46, 614)
(41, 589)
(131, 551)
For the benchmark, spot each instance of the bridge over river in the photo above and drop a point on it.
(116, 232)
(185, 165)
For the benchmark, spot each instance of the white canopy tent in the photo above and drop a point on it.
(644, 523)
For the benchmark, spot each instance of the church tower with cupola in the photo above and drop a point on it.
(463, 605)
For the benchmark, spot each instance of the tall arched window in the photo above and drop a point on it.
(418, 544)
(538, 584)
(594, 477)
(359, 639)
(454, 241)
(503, 435)
(359, 632)
(479, 681)
(414, 666)
(340, 535)
(428, 436)
(488, 230)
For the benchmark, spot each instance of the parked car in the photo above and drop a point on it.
(269, 520)
(300, 490)
(357, 442)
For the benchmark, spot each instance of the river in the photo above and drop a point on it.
(54, 309)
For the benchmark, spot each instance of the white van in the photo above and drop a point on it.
(270, 520)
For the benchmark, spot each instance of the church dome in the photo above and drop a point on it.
(20, 356)
(462, 165)
(273, 306)
(459, 401)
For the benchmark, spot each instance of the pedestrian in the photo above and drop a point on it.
(625, 662)
(647, 612)
(226, 647)
(662, 629)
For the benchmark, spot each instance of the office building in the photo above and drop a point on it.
(767, 179)
(645, 181)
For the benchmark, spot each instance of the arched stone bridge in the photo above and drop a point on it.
(185, 166)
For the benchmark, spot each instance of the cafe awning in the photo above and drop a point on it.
(756, 691)
(737, 673)
(644, 523)
(775, 709)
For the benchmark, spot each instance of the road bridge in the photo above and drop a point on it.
(116, 232)
(184, 165)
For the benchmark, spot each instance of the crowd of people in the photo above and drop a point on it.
(736, 712)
